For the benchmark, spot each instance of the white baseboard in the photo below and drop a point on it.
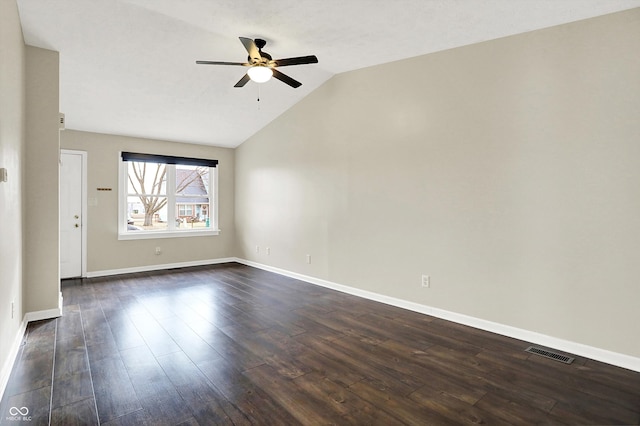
(598, 354)
(603, 355)
(148, 268)
(45, 314)
(14, 346)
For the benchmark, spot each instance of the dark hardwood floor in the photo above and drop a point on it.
(230, 344)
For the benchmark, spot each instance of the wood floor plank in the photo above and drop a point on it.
(113, 390)
(147, 377)
(231, 350)
(459, 384)
(200, 316)
(598, 386)
(70, 357)
(70, 323)
(476, 374)
(359, 364)
(165, 410)
(259, 406)
(338, 324)
(124, 332)
(330, 368)
(339, 399)
(224, 374)
(155, 337)
(398, 407)
(256, 405)
(136, 418)
(41, 336)
(34, 367)
(201, 396)
(305, 408)
(96, 328)
(588, 414)
(188, 340)
(72, 388)
(455, 409)
(268, 350)
(387, 367)
(534, 377)
(80, 413)
(32, 373)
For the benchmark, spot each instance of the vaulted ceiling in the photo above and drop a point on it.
(127, 67)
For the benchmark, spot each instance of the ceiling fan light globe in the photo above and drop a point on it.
(260, 74)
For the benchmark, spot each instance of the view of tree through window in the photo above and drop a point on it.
(167, 197)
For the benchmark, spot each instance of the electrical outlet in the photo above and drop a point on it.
(426, 281)
(158, 250)
(268, 249)
(309, 259)
(12, 309)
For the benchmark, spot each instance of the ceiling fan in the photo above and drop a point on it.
(262, 66)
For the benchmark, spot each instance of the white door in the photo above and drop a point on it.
(71, 213)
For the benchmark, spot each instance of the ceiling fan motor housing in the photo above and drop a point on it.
(260, 43)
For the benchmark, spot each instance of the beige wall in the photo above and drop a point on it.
(41, 234)
(12, 141)
(506, 170)
(104, 251)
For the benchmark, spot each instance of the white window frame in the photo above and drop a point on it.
(172, 232)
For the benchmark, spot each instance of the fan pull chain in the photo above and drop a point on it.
(258, 96)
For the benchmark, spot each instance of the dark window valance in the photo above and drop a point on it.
(168, 159)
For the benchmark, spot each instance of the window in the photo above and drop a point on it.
(185, 210)
(163, 196)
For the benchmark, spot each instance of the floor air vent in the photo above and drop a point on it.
(551, 355)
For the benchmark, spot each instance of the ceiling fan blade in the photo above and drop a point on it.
(251, 47)
(285, 79)
(243, 81)
(311, 59)
(244, 64)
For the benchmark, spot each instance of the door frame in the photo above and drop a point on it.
(83, 228)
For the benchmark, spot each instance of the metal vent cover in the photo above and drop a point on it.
(549, 354)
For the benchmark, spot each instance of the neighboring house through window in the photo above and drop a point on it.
(165, 196)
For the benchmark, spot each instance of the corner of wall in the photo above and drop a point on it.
(41, 237)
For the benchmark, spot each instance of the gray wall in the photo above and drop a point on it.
(104, 251)
(506, 170)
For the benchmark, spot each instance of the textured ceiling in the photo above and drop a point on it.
(128, 67)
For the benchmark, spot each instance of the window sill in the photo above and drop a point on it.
(146, 235)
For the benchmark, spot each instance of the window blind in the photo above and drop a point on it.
(168, 159)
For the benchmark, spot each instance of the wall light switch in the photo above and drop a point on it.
(3, 175)
(426, 281)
